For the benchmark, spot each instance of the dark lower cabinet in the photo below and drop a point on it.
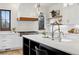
(52, 51)
(25, 50)
(29, 48)
(26, 47)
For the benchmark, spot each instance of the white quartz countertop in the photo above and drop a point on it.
(71, 47)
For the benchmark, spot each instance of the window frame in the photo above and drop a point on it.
(9, 29)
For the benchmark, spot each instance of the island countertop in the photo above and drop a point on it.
(71, 47)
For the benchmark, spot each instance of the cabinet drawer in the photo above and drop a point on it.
(5, 41)
(6, 36)
(2, 36)
(5, 44)
(12, 36)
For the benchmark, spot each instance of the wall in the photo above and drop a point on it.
(70, 13)
(29, 10)
(24, 10)
(16, 11)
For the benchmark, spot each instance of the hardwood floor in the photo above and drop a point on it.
(12, 52)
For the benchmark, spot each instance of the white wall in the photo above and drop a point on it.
(70, 14)
(16, 11)
(24, 10)
(29, 10)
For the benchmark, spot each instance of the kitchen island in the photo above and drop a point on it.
(51, 46)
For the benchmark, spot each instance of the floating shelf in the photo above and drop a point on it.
(27, 19)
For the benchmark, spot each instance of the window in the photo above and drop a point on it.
(5, 20)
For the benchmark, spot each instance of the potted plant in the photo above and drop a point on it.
(13, 29)
(45, 34)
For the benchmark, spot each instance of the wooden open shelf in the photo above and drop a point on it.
(27, 19)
